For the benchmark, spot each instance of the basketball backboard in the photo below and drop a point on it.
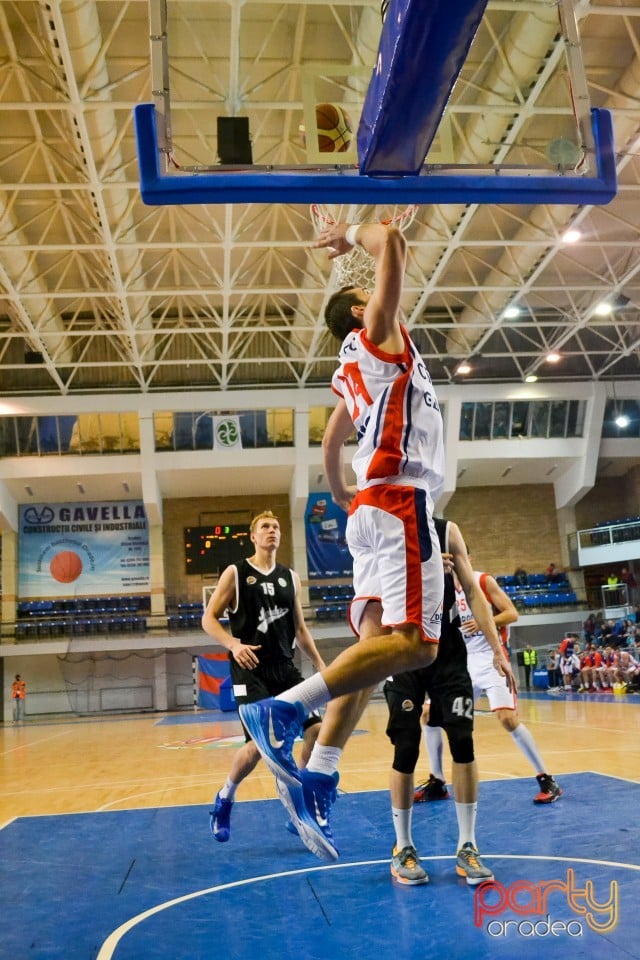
(499, 127)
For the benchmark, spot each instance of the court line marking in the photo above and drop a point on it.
(31, 743)
(109, 945)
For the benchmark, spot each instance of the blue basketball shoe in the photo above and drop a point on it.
(309, 804)
(273, 725)
(220, 819)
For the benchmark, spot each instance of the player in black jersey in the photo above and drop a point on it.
(448, 686)
(262, 600)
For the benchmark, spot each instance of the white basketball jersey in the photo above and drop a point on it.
(476, 642)
(391, 401)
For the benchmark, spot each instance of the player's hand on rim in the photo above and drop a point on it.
(333, 238)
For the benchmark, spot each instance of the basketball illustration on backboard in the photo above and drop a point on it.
(66, 566)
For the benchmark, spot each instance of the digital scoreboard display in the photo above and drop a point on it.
(208, 550)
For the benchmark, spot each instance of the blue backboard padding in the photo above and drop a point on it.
(161, 189)
(423, 46)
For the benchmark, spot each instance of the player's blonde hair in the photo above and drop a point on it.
(265, 515)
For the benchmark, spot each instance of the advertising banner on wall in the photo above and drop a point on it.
(325, 526)
(83, 549)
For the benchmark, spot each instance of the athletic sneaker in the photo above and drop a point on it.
(470, 865)
(273, 725)
(220, 819)
(549, 789)
(405, 866)
(309, 804)
(433, 789)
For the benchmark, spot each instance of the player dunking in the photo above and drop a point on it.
(384, 391)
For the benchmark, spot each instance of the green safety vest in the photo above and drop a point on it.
(530, 658)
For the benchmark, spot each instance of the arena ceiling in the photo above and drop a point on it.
(100, 293)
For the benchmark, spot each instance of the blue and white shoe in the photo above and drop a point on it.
(220, 819)
(309, 805)
(273, 725)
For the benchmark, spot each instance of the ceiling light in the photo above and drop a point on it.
(553, 357)
(622, 421)
(125, 486)
(603, 309)
(512, 312)
(571, 236)
(531, 378)
(28, 489)
(463, 368)
(505, 472)
(80, 487)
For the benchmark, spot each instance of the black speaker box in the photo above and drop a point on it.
(234, 145)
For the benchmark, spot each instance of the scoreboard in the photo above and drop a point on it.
(208, 550)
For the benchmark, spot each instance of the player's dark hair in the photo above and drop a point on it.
(337, 314)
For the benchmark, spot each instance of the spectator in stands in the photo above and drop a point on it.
(552, 573)
(553, 668)
(590, 663)
(521, 576)
(628, 670)
(628, 578)
(530, 660)
(19, 696)
(606, 671)
(618, 637)
(589, 628)
(612, 579)
(570, 667)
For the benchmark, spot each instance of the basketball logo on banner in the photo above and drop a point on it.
(226, 433)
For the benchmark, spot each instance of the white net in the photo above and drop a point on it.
(99, 682)
(356, 268)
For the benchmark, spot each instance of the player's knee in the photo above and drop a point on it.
(508, 719)
(461, 745)
(406, 751)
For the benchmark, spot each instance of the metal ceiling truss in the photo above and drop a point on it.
(99, 292)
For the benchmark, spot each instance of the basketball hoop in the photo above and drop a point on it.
(356, 268)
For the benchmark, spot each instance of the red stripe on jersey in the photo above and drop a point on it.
(389, 452)
(354, 383)
(400, 502)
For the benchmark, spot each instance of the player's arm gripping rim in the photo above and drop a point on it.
(388, 248)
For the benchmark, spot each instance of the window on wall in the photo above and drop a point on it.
(193, 430)
(318, 419)
(521, 418)
(58, 435)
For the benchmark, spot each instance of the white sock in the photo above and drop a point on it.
(312, 693)
(435, 748)
(525, 742)
(402, 827)
(324, 759)
(228, 791)
(466, 814)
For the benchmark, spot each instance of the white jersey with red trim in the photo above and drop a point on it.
(391, 401)
(477, 642)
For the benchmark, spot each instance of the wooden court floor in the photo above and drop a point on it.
(75, 765)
